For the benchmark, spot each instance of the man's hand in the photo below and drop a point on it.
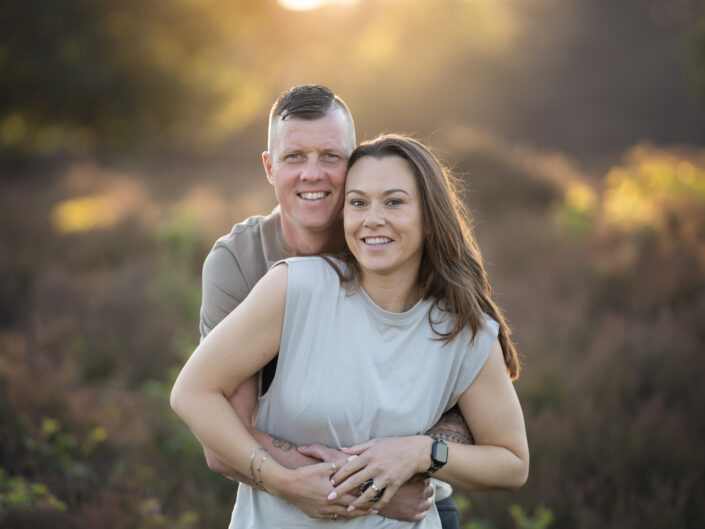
(324, 453)
(410, 503)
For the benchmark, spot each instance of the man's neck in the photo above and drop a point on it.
(302, 242)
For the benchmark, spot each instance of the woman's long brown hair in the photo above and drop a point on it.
(451, 271)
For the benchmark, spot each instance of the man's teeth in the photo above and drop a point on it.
(312, 196)
(377, 240)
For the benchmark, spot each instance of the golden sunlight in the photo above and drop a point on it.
(306, 5)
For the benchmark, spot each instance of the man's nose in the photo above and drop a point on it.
(311, 172)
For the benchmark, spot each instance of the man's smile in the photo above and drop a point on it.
(313, 196)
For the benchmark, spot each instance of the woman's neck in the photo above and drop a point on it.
(392, 292)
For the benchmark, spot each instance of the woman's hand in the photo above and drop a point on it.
(409, 504)
(309, 488)
(388, 462)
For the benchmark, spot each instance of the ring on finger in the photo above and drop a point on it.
(370, 484)
(335, 468)
(335, 517)
(378, 492)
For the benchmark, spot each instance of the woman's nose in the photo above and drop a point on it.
(373, 218)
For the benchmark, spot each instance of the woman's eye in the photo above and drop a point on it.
(357, 203)
(394, 202)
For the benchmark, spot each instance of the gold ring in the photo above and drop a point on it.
(372, 486)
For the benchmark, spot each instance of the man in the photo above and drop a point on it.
(311, 136)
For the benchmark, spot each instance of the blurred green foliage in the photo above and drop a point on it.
(16, 493)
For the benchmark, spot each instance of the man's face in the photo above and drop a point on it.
(307, 169)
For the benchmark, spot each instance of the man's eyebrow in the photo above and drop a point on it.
(387, 192)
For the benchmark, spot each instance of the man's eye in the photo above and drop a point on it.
(293, 156)
(330, 157)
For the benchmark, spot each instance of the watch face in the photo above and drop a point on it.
(440, 452)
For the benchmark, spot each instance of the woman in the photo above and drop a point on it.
(374, 344)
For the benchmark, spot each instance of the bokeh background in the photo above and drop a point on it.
(130, 139)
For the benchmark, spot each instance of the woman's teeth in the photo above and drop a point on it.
(377, 240)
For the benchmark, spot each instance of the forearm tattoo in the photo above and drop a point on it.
(282, 444)
(452, 428)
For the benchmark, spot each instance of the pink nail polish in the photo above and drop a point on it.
(333, 495)
(374, 511)
(352, 457)
(351, 508)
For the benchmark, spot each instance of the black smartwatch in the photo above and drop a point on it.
(439, 455)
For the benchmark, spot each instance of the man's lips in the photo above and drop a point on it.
(313, 195)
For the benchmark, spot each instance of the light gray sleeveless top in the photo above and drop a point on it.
(350, 371)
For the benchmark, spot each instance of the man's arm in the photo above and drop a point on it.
(452, 427)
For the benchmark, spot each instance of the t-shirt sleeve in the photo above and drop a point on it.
(475, 357)
(224, 288)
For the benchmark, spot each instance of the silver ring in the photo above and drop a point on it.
(335, 517)
(335, 469)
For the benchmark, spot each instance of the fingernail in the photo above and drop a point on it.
(351, 508)
(374, 511)
(332, 482)
(351, 458)
(333, 495)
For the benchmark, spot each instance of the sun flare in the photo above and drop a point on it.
(306, 5)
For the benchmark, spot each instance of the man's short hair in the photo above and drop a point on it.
(307, 102)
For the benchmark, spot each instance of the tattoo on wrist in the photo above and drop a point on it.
(282, 444)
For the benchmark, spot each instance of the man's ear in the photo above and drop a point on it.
(267, 161)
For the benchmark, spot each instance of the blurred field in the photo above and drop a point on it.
(130, 139)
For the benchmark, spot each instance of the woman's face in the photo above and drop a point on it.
(382, 216)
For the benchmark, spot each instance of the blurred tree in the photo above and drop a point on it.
(77, 72)
(697, 54)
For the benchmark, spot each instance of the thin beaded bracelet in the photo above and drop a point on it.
(252, 458)
(260, 484)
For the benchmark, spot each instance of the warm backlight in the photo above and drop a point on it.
(304, 5)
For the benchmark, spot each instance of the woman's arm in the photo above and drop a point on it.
(499, 460)
(237, 348)
(500, 457)
(242, 344)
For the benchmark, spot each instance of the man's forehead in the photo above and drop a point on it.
(331, 131)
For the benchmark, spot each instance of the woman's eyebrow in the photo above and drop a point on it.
(387, 192)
